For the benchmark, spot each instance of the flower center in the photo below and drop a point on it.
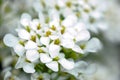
(33, 38)
(57, 42)
(63, 30)
(56, 58)
(38, 27)
(57, 7)
(53, 28)
(40, 50)
(68, 4)
(28, 28)
(48, 33)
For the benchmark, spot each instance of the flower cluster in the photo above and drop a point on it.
(91, 12)
(58, 39)
(49, 43)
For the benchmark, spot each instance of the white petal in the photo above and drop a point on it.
(61, 3)
(7, 75)
(70, 21)
(53, 37)
(20, 62)
(30, 45)
(55, 23)
(80, 26)
(25, 19)
(24, 34)
(66, 64)
(91, 68)
(41, 17)
(19, 50)
(54, 50)
(53, 66)
(29, 68)
(83, 36)
(26, 15)
(34, 24)
(80, 67)
(61, 55)
(45, 40)
(32, 55)
(67, 43)
(93, 45)
(67, 35)
(76, 48)
(83, 67)
(96, 15)
(45, 58)
(10, 40)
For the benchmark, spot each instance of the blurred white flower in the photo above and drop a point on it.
(25, 64)
(40, 76)
(82, 68)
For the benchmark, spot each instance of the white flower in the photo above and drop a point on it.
(52, 61)
(27, 67)
(35, 24)
(81, 67)
(44, 76)
(12, 41)
(9, 75)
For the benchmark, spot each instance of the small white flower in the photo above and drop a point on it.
(27, 67)
(44, 76)
(81, 67)
(35, 24)
(9, 75)
(52, 62)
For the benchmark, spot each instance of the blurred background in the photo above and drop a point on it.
(107, 60)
